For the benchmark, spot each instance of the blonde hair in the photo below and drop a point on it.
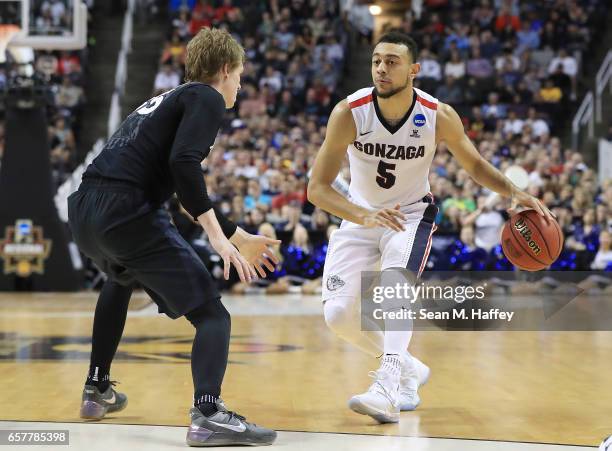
(207, 53)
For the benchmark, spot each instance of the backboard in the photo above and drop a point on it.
(46, 24)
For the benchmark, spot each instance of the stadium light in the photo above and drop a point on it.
(375, 10)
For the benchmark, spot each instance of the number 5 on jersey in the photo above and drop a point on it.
(384, 177)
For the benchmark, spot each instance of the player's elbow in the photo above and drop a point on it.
(313, 192)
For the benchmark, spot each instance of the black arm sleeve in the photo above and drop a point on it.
(203, 110)
(228, 227)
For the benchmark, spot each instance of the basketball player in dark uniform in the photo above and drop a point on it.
(118, 220)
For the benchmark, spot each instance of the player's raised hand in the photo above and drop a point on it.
(390, 218)
(231, 256)
(257, 250)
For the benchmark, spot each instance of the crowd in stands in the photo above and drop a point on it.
(296, 53)
(509, 68)
(63, 73)
(512, 70)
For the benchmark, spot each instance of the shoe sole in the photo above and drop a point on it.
(358, 406)
(91, 410)
(427, 371)
(410, 407)
(210, 439)
(199, 444)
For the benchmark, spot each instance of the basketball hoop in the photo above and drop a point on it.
(7, 34)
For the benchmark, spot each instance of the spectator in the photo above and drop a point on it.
(273, 79)
(430, 72)
(255, 198)
(489, 45)
(538, 126)
(251, 104)
(69, 97)
(455, 67)
(284, 36)
(483, 14)
(569, 68)
(57, 10)
(69, 64)
(603, 258)
(478, 66)
(174, 51)
(450, 91)
(493, 109)
(528, 38)
(550, 93)
(288, 195)
(167, 78)
(506, 18)
(568, 63)
(507, 59)
(513, 125)
(487, 223)
(47, 64)
(202, 15)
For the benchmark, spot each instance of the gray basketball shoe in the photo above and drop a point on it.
(95, 404)
(225, 428)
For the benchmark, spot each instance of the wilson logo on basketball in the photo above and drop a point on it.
(523, 229)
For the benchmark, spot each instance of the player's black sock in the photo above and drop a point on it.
(109, 320)
(207, 404)
(209, 352)
(102, 381)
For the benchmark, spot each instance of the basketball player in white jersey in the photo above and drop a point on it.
(390, 132)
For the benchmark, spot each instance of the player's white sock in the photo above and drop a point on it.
(392, 364)
(397, 341)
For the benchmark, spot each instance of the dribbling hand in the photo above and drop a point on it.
(521, 198)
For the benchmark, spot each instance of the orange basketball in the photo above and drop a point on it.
(530, 242)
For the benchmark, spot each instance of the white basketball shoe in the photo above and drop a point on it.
(414, 374)
(381, 401)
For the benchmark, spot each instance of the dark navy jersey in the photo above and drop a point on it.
(160, 147)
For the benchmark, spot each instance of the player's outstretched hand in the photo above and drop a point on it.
(231, 256)
(386, 217)
(521, 198)
(257, 250)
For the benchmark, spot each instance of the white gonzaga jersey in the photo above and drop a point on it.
(390, 164)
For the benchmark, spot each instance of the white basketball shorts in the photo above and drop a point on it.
(354, 248)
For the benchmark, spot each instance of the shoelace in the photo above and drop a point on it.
(378, 386)
(235, 415)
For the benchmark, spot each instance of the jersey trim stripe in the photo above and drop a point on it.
(426, 256)
(422, 241)
(427, 103)
(360, 102)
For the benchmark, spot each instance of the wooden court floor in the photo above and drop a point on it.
(288, 372)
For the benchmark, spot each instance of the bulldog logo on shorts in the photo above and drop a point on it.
(334, 282)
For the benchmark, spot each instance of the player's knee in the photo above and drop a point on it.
(212, 308)
(337, 314)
